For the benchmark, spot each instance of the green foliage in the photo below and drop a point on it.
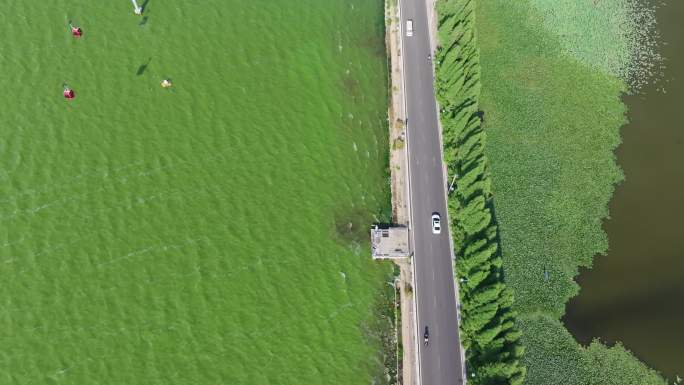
(617, 366)
(488, 333)
(614, 36)
(554, 357)
(550, 152)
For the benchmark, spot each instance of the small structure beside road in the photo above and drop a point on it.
(389, 242)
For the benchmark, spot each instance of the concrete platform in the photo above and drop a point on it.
(389, 242)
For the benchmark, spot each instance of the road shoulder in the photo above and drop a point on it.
(399, 186)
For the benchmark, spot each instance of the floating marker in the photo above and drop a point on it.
(68, 93)
(75, 31)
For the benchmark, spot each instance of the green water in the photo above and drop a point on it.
(199, 234)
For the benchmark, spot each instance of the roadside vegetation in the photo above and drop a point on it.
(383, 331)
(550, 95)
(488, 329)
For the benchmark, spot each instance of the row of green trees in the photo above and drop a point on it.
(488, 327)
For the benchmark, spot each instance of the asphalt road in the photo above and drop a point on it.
(440, 360)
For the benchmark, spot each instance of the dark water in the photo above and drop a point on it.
(635, 294)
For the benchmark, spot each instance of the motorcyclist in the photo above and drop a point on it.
(426, 335)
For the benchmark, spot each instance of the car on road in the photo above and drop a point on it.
(409, 27)
(436, 223)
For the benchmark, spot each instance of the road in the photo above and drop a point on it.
(440, 361)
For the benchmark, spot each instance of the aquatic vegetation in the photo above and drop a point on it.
(552, 126)
(554, 357)
(618, 37)
(488, 330)
(552, 116)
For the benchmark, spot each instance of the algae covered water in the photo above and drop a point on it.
(212, 232)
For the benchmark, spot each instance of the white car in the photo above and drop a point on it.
(436, 224)
(409, 27)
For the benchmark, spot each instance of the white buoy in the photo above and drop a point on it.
(136, 8)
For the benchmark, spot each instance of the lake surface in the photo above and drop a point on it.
(635, 294)
(210, 233)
